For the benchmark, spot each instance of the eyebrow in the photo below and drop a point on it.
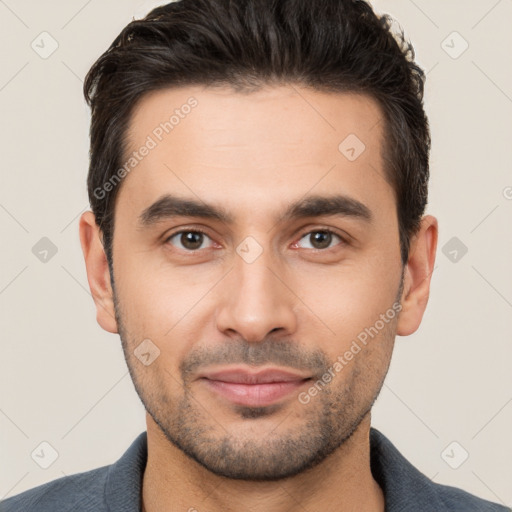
(169, 206)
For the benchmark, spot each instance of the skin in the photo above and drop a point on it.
(297, 306)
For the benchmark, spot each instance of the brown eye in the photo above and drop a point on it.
(320, 239)
(189, 240)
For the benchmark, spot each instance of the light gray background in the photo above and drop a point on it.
(64, 381)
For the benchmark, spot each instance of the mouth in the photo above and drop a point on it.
(253, 389)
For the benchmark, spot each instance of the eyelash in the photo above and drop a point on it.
(322, 230)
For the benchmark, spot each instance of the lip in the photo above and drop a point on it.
(254, 389)
(241, 375)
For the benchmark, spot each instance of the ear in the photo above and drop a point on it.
(418, 271)
(98, 273)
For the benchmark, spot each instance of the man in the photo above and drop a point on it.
(258, 180)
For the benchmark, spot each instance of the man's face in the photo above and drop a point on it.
(258, 289)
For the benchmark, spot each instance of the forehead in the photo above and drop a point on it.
(325, 118)
(231, 146)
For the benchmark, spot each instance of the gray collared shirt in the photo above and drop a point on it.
(117, 487)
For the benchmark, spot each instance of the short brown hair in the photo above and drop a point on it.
(327, 45)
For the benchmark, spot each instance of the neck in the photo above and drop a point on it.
(342, 482)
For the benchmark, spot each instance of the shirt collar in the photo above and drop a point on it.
(404, 486)
(123, 487)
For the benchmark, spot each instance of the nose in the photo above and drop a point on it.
(256, 300)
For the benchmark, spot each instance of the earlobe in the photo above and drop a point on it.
(417, 276)
(98, 274)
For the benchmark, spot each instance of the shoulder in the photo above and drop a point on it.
(458, 500)
(80, 492)
(406, 488)
(113, 487)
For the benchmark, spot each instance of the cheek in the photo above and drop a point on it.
(343, 301)
(158, 299)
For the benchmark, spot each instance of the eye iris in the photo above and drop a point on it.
(191, 240)
(321, 239)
